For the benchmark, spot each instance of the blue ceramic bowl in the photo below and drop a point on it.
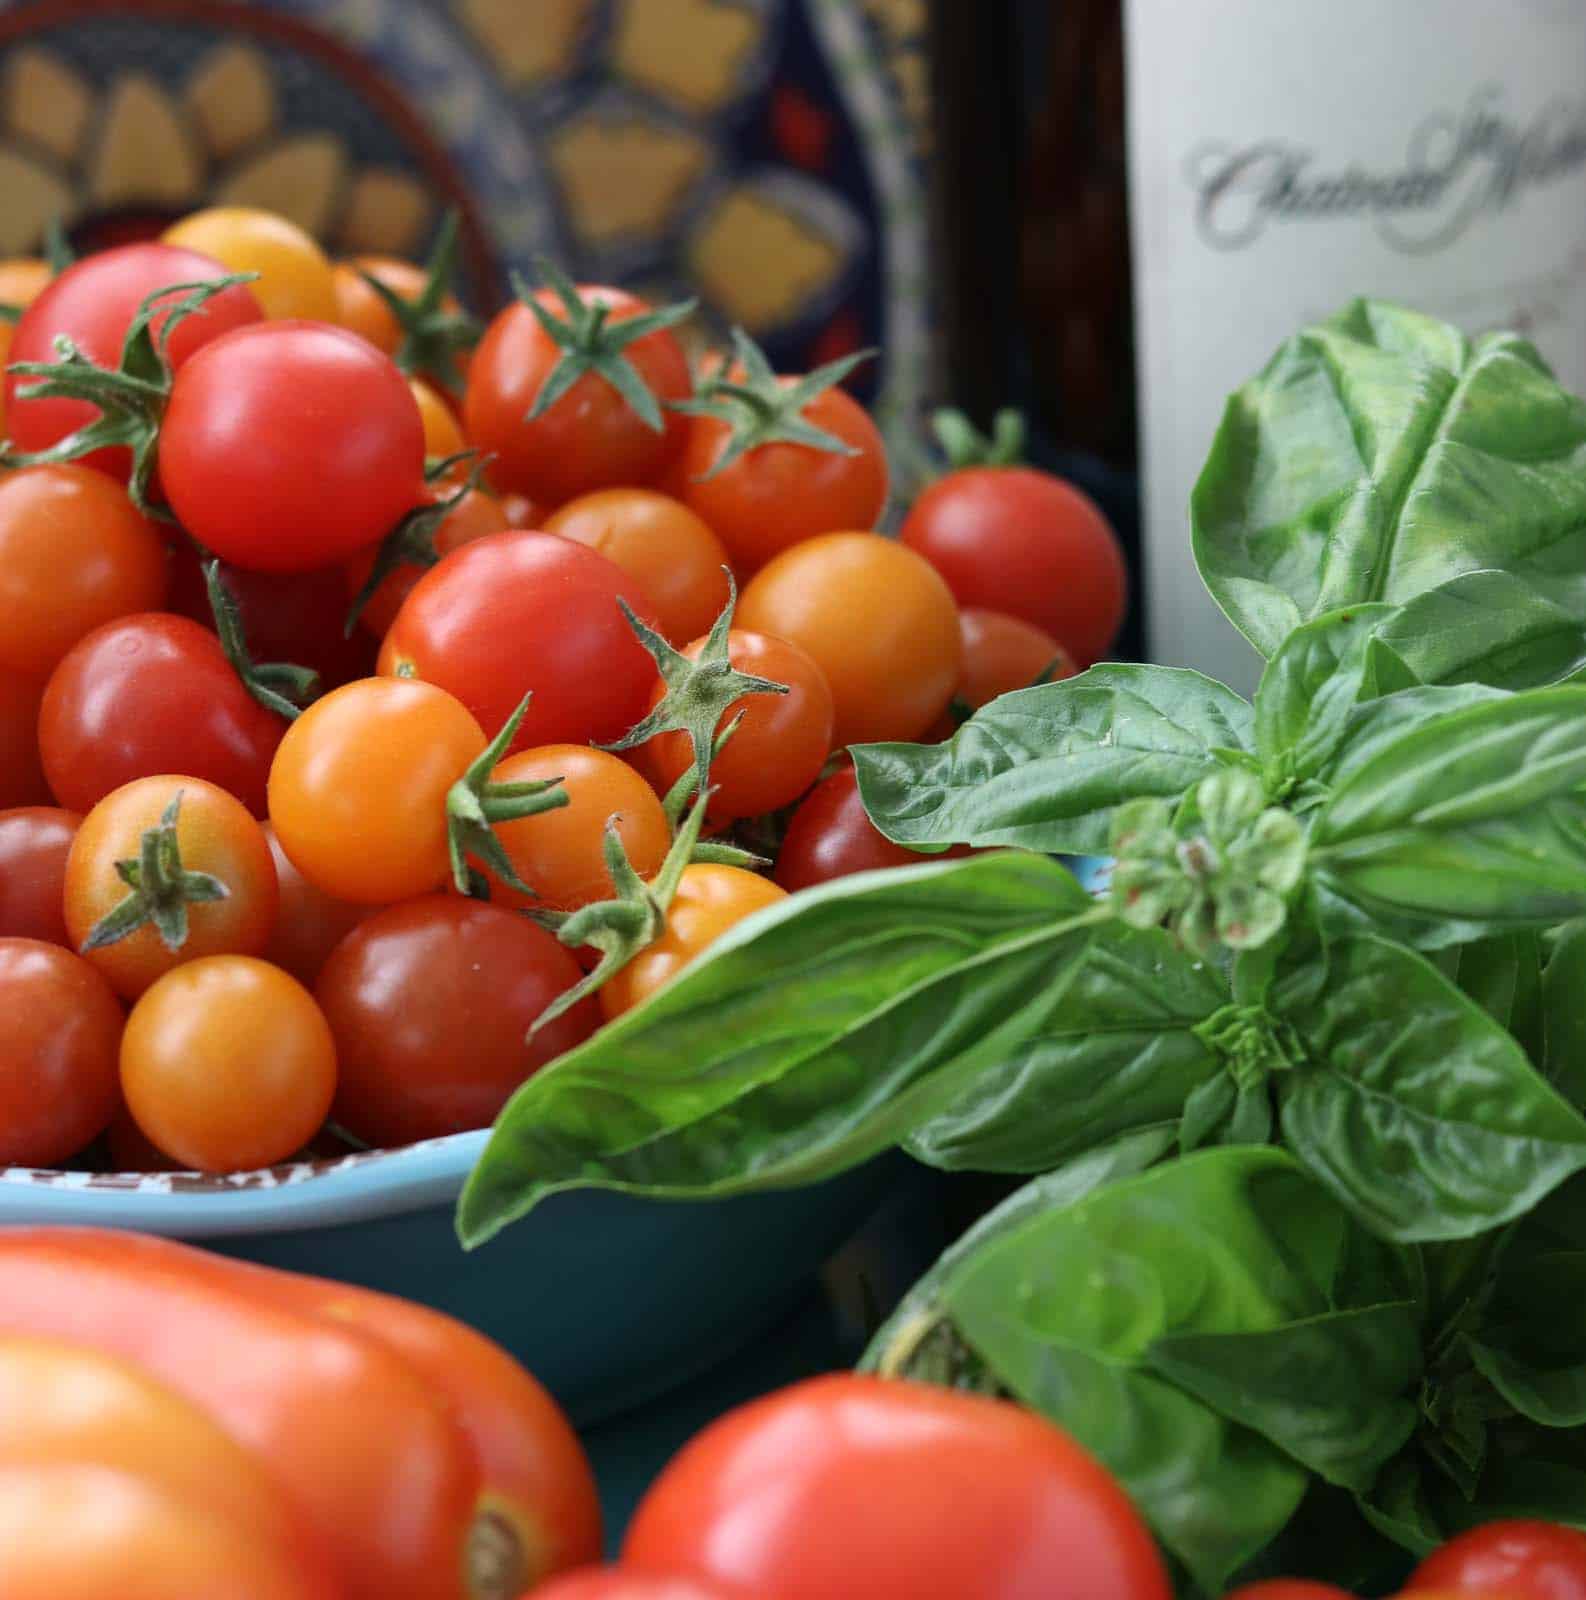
(609, 1300)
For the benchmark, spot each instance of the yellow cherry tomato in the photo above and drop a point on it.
(295, 276)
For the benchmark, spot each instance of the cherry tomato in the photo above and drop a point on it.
(520, 611)
(129, 1147)
(358, 788)
(310, 923)
(878, 622)
(777, 495)
(21, 772)
(475, 516)
(1520, 1560)
(661, 545)
(288, 445)
(22, 280)
(430, 1003)
(622, 1583)
(149, 694)
(443, 435)
(295, 279)
(92, 303)
(1001, 654)
(590, 438)
(781, 744)
(520, 511)
(58, 1056)
(1289, 1589)
(73, 553)
(227, 1064)
(359, 308)
(34, 844)
(917, 1493)
(214, 834)
(560, 854)
(710, 900)
(1024, 542)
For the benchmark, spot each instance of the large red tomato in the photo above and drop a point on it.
(1519, 1560)
(894, 1491)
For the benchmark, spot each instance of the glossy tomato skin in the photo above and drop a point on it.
(430, 1003)
(1289, 1589)
(215, 834)
(310, 923)
(289, 445)
(591, 438)
(21, 772)
(63, 1024)
(148, 694)
(524, 610)
(1029, 544)
(662, 545)
(74, 554)
(623, 1583)
(710, 900)
(34, 844)
(877, 620)
(918, 1493)
(92, 303)
(1519, 1560)
(1001, 654)
(295, 279)
(775, 496)
(780, 745)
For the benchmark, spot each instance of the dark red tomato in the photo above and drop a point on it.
(151, 694)
(289, 445)
(519, 611)
(623, 1583)
(1519, 1560)
(309, 923)
(591, 438)
(430, 1002)
(832, 836)
(1289, 1589)
(895, 1491)
(58, 1068)
(34, 844)
(92, 303)
(21, 773)
(1016, 540)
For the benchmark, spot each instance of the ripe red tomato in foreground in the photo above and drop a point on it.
(520, 611)
(895, 1491)
(622, 1583)
(148, 694)
(34, 844)
(58, 1085)
(430, 1003)
(1289, 1589)
(1519, 1560)
(21, 773)
(1029, 544)
(91, 303)
(289, 445)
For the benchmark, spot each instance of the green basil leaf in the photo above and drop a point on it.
(1108, 1048)
(1551, 1397)
(1387, 672)
(1503, 975)
(1380, 454)
(1375, 725)
(814, 1035)
(1045, 767)
(1475, 818)
(1400, 1508)
(1073, 1308)
(1564, 1015)
(1413, 1106)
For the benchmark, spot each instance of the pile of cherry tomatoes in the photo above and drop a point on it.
(360, 667)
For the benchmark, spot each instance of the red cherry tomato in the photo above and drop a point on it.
(310, 923)
(590, 438)
(58, 1058)
(150, 694)
(1026, 543)
(21, 772)
(918, 1493)
(622, 1583)
(1001, 654)
(1289, 1589)
(34, 844)
(289, 445)
(92, 303)
(430, 1003)
(519, 611)
(1520, 1560)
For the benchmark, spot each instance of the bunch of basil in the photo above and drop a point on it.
(1304, 1264)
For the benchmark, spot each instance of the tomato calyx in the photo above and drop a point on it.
(965, 446)
(131, 398)
(278, 686)
(159, 889)
(758, 409)
(474, 805)
(591, 343)
(432, 336)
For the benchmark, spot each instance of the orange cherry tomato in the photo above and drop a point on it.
(672, 555)
(358, 307)
(443, 435)
(310, 923)
(710, 900)
(1001, 654)
(227, 1064)
(215, 834)
(21, 768)
(295, 279)
(22, 281)
(358, 788)
(34, 844)
(560, 854)
(781, 744)
(878, 621)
